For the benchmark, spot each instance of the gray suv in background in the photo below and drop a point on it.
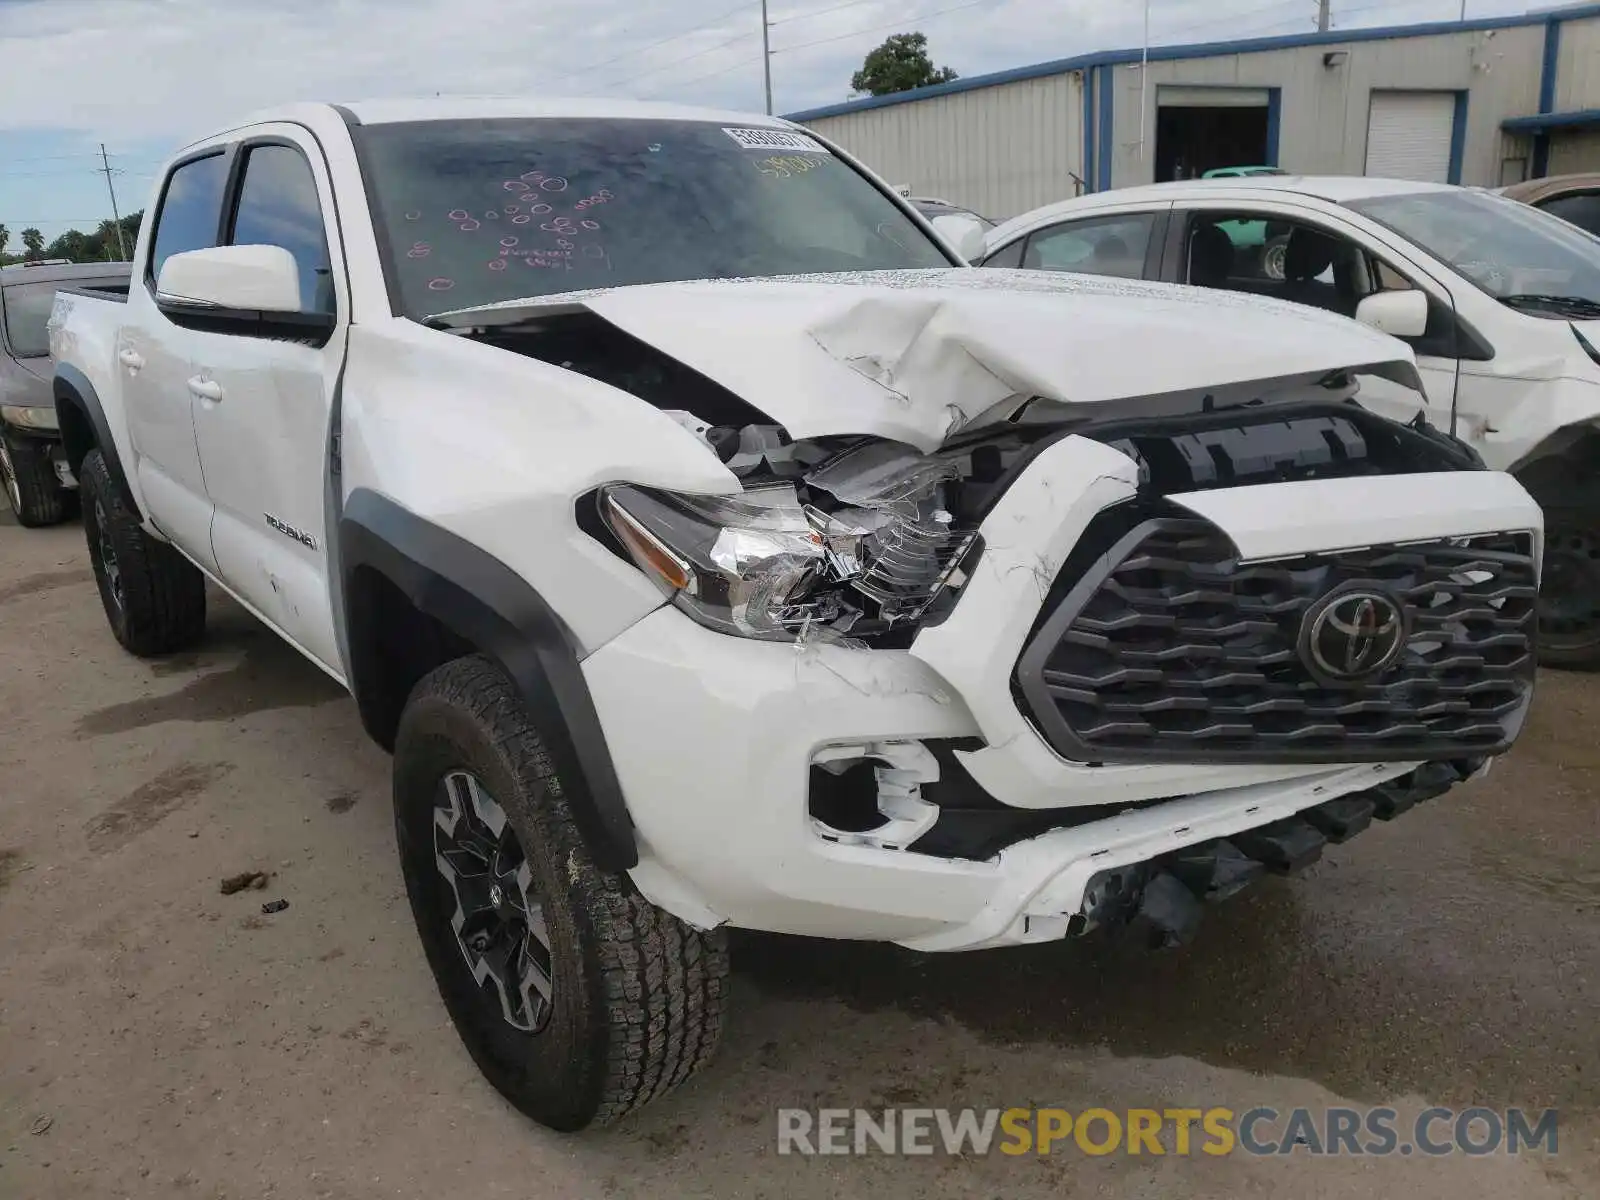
(37, 482)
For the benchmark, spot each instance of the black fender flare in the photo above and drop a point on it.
(84, 427)
(480, 599)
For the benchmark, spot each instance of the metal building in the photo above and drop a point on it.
(1485, 102)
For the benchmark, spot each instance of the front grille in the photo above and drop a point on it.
(1172, 649)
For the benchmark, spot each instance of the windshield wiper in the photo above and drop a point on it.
(1578, 306)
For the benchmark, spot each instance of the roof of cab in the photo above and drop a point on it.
(483, 108)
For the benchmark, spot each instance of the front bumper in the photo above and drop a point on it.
(715, 739)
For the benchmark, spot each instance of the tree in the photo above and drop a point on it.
(5, 236)
(33, 242)
(900, 64)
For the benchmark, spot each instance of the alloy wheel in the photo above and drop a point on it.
(106, 552)
(8, 473)
(498, 920)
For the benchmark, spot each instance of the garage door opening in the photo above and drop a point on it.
(1201, 129)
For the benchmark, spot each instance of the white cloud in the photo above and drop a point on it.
(132, 68)
(147, 75)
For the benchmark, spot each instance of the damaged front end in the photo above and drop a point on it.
(836, 544)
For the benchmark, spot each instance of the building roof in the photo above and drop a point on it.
(1083, 62)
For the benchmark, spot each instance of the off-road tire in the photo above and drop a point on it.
(32, 489)
(162, 603)
(637, 995)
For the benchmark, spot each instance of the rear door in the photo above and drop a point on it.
(263, 398)
(153, 360)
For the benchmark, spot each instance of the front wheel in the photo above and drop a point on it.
(1569, 592)
(578, 999)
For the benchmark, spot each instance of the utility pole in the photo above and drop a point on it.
(1324, 16)
(116, 217)
(766, 53)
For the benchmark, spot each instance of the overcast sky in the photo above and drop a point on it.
(145, 75)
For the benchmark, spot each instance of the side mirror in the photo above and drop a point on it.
(241, 278)
(1399, 314)
(964, 234)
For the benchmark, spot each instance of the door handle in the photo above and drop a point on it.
(206, 389)
(131, 359)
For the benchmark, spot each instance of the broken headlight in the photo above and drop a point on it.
(857, 547)
(736, 563)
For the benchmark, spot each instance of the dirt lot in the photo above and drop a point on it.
(161, 1039)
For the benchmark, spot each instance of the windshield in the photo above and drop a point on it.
(475, 212)
(28, 308)
(1509, 250)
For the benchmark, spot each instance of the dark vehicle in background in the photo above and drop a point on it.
(37, 482)
(1573, 198)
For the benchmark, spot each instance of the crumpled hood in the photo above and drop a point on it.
(916, 355)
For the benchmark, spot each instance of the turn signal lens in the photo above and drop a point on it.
(650, 554)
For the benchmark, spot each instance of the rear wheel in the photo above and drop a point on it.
(32, 489)
(155, 599)
(1569, 592)
(577, 998)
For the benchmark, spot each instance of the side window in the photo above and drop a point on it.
(191, 210)
(1582, 209)
(1265, 255)
(1109, 246)
(278, 207)
(1010, 256)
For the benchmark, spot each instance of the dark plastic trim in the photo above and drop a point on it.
(1041, 708)
(73, 389)
(484, 602)
(315, 329)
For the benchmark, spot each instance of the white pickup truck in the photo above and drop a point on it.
(712, 549)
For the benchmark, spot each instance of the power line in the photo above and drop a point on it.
(743, 62)
(697, 54)
(822, 12)
(595, 66)
(903, 23)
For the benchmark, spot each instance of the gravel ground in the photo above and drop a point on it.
(162, 1039)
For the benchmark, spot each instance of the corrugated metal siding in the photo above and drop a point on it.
(1325, 109)
(1000, 151)
(1575, 151)
(1578, 77)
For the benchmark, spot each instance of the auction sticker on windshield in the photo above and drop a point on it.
(775, 139)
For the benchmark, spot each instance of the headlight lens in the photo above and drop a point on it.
(29, 417)
(741, 564)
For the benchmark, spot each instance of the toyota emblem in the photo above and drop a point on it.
(1354, 634)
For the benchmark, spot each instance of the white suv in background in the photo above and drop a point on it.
(1501, 303)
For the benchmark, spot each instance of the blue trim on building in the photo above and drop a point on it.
(1108, 134)
(1458, 139)
(1084, 62)
(1555, 120)
(1547, 94)
(1552, 62)
(1088, 130)
(1274, 124)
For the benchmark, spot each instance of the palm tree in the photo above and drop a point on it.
(110, 237)
(33, 242)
